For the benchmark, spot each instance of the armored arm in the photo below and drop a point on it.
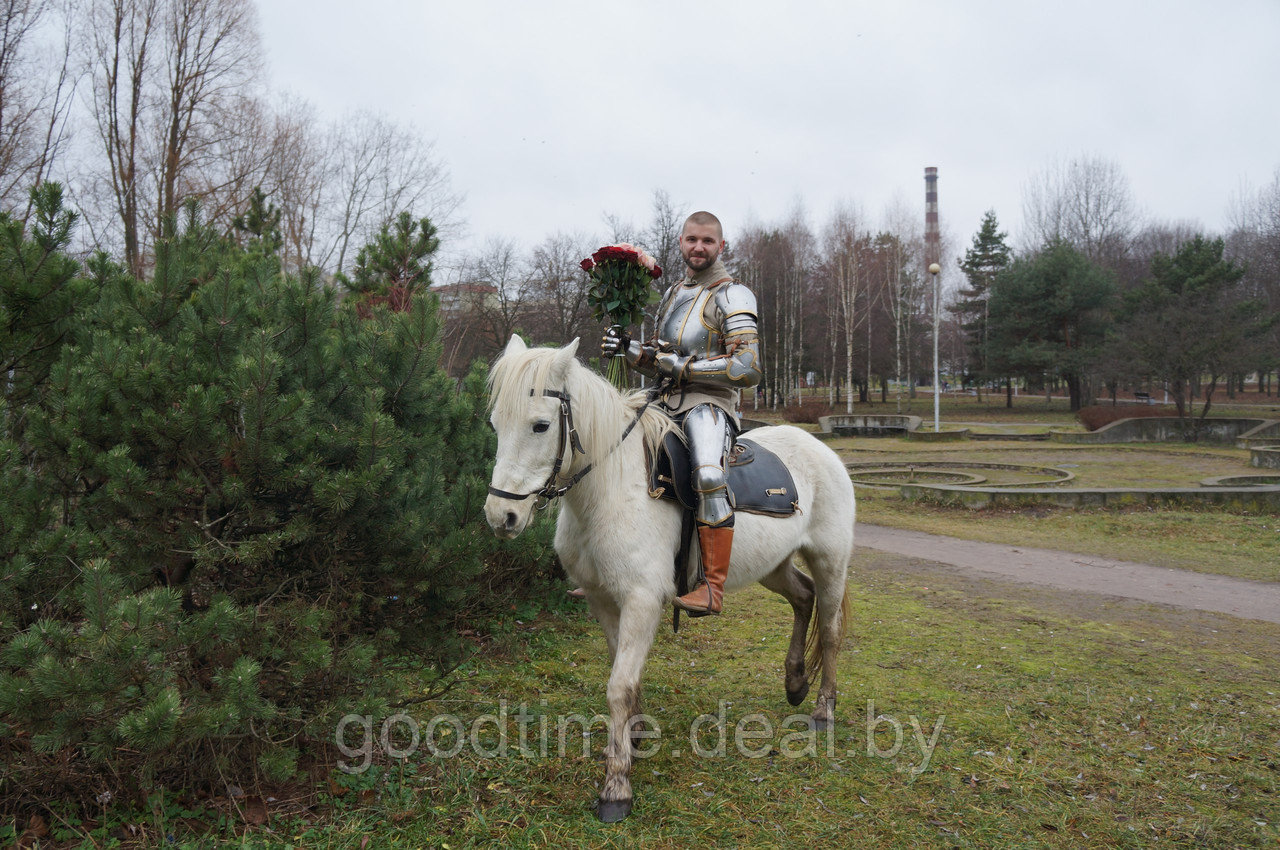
(639, 356)
(739, 366)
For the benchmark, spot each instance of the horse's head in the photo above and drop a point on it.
(529, 411)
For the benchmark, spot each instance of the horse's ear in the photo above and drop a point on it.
(515, 345)
(563, 358)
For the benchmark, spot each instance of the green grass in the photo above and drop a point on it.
(1063, 720)
(1121, 727)
(1026, 408)
(1207, 540)
(1137, 465)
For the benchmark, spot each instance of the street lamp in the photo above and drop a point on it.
(934, 268)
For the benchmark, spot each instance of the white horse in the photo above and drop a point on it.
(564, 431)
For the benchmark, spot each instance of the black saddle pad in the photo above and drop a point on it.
(759, 482)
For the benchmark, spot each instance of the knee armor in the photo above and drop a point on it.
(710, 436)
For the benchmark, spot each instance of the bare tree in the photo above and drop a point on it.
(902, 285)
(376, 169)
(619, 229)
(295, 178)
(505, 293)
(662, 237)
(1085, 201)
(19, 104)
(121, 47)
(774, 262)
(1254, 241)
(35, 98)
(558, 287)
(841, 249)
(211, 58)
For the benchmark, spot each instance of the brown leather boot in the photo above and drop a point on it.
(715, 545)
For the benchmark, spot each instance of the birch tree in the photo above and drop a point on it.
(847, 278)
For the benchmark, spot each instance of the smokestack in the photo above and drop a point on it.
(932, 245)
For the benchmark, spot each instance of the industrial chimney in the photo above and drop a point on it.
(932, 246)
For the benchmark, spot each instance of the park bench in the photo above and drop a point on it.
(1143, 397)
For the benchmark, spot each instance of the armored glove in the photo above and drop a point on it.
(640, 356)
(614, 342)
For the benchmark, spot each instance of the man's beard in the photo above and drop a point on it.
(705, 261)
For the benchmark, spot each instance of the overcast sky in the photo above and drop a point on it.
(548, 115)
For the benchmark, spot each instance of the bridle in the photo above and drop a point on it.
(568, 442)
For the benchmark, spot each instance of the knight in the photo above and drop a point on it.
(705, 349)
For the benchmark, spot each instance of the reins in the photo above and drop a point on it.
(568, 441)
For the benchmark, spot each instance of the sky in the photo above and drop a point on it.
(551, 115)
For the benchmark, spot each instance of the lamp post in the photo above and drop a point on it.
(934, 268)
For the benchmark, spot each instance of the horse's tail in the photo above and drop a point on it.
(813, 643)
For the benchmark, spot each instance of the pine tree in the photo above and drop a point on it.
(40, 295)
(1191, 319)
(986, 257)
(396, 264)
(260, 225)
(237, 502)
(1049, 315)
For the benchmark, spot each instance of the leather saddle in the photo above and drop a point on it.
(759, 482)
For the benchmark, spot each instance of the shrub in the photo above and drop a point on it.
(229, 505)
(1095, 416)
(807, 412)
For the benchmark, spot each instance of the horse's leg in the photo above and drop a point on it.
(606, 611)
(796, 588)
(637, 625)
(830, 573)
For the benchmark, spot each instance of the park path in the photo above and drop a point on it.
(1254, 600)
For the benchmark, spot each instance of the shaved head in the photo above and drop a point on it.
(704, 218)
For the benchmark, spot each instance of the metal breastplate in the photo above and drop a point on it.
(683, 322)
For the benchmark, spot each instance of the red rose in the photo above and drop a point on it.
(587, 265)
(656, 271)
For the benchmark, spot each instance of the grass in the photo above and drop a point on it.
(1135, 465)
(1123, 726)
(1202, 539)
(955, 408)
(1062, 720)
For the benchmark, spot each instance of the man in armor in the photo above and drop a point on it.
(704, 350)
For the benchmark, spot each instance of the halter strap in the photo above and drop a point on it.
(568, 439)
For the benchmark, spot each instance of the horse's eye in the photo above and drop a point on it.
(541, 427)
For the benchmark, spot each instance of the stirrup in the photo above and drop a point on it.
(705, 611)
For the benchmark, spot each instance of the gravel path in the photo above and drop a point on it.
(1254, 600)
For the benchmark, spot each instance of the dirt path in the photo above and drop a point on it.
(1241, 598)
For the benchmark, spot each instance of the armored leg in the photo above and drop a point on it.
(710, 436)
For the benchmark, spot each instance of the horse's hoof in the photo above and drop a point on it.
(797, 697)
(612, 811)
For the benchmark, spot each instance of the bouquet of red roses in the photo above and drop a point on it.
(620, 277)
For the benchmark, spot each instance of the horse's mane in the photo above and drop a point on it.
(600, 411)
